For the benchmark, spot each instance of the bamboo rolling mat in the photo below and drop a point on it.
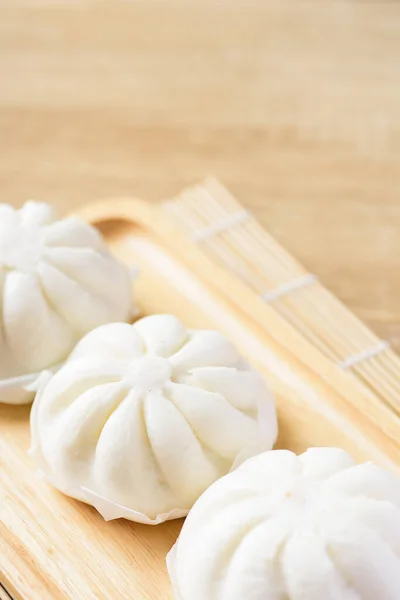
(230, 235)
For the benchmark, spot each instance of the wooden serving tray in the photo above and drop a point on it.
(55, 548)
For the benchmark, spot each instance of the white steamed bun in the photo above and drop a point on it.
(287, 527)
(57, 282)
(143, 418)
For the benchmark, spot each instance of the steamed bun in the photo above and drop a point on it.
(287, 527)
(57, 282)
(143, 418)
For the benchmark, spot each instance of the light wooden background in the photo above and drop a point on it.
(294, 105)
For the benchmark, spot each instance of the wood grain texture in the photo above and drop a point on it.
(295, 106)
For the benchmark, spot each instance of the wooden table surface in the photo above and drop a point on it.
(295, 106)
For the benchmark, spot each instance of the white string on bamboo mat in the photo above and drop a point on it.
(289, 287)
(355, 359)
(220, 226)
